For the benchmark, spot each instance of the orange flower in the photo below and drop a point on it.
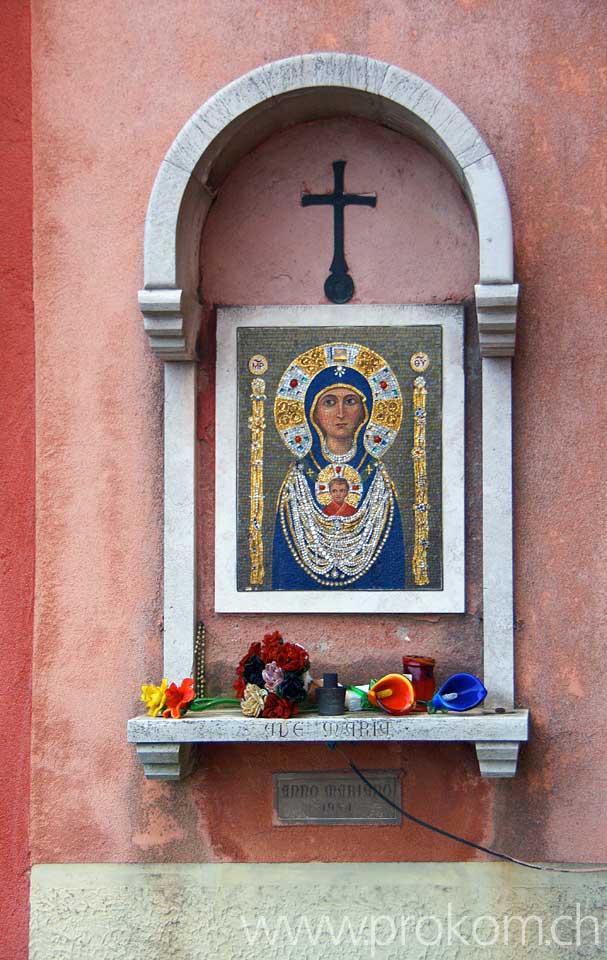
(178, 698)
(393, 693)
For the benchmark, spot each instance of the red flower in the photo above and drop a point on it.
(276, 706)
(178, 698)
(289, 656)
(272, 643)
(292, 657)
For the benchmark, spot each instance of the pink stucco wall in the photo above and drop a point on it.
(113, 83)
(17, 456)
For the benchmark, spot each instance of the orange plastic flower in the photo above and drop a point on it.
(393, 693)
(178, 698)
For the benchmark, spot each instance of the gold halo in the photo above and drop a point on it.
(338, 472)
(289, 412)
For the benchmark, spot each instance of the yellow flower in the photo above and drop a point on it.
(154, 697)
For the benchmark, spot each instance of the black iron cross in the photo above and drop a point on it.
(339, 285)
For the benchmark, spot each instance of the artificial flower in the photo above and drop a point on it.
(271, 644)
(178, 697)
(240, 683)
(292, 657)
(253, 671)
(253, 651)
(276, 706)
(292, 688)
(272, 676)
(394, 693)
(154, 697)
(253, 700)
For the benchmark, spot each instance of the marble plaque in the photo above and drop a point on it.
(334, 798)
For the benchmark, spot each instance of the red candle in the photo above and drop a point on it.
(421, 669)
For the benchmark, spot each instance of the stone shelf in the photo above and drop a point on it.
(164, 746)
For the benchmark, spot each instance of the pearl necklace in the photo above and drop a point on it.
(335, 551)
(337, 457)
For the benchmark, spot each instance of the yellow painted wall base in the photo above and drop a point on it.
(310, 911)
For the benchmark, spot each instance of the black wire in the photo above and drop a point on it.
(454, 836)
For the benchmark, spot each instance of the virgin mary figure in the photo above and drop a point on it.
(338, 409)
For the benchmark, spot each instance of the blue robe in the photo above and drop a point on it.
(387, 572)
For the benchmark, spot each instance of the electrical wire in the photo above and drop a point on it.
(453, 836)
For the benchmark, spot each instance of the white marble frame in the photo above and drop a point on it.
(225, 128)
(451, 599)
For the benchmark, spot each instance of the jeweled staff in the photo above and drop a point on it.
(339, 285)
(257, 427)
(419, 564)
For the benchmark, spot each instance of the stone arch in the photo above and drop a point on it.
(268, 99)
(227, 127)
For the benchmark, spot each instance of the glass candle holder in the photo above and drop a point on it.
(421, 669)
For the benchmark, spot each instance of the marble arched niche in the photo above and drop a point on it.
(275, 96)
(224, 129)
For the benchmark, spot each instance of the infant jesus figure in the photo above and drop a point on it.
(339, 489)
